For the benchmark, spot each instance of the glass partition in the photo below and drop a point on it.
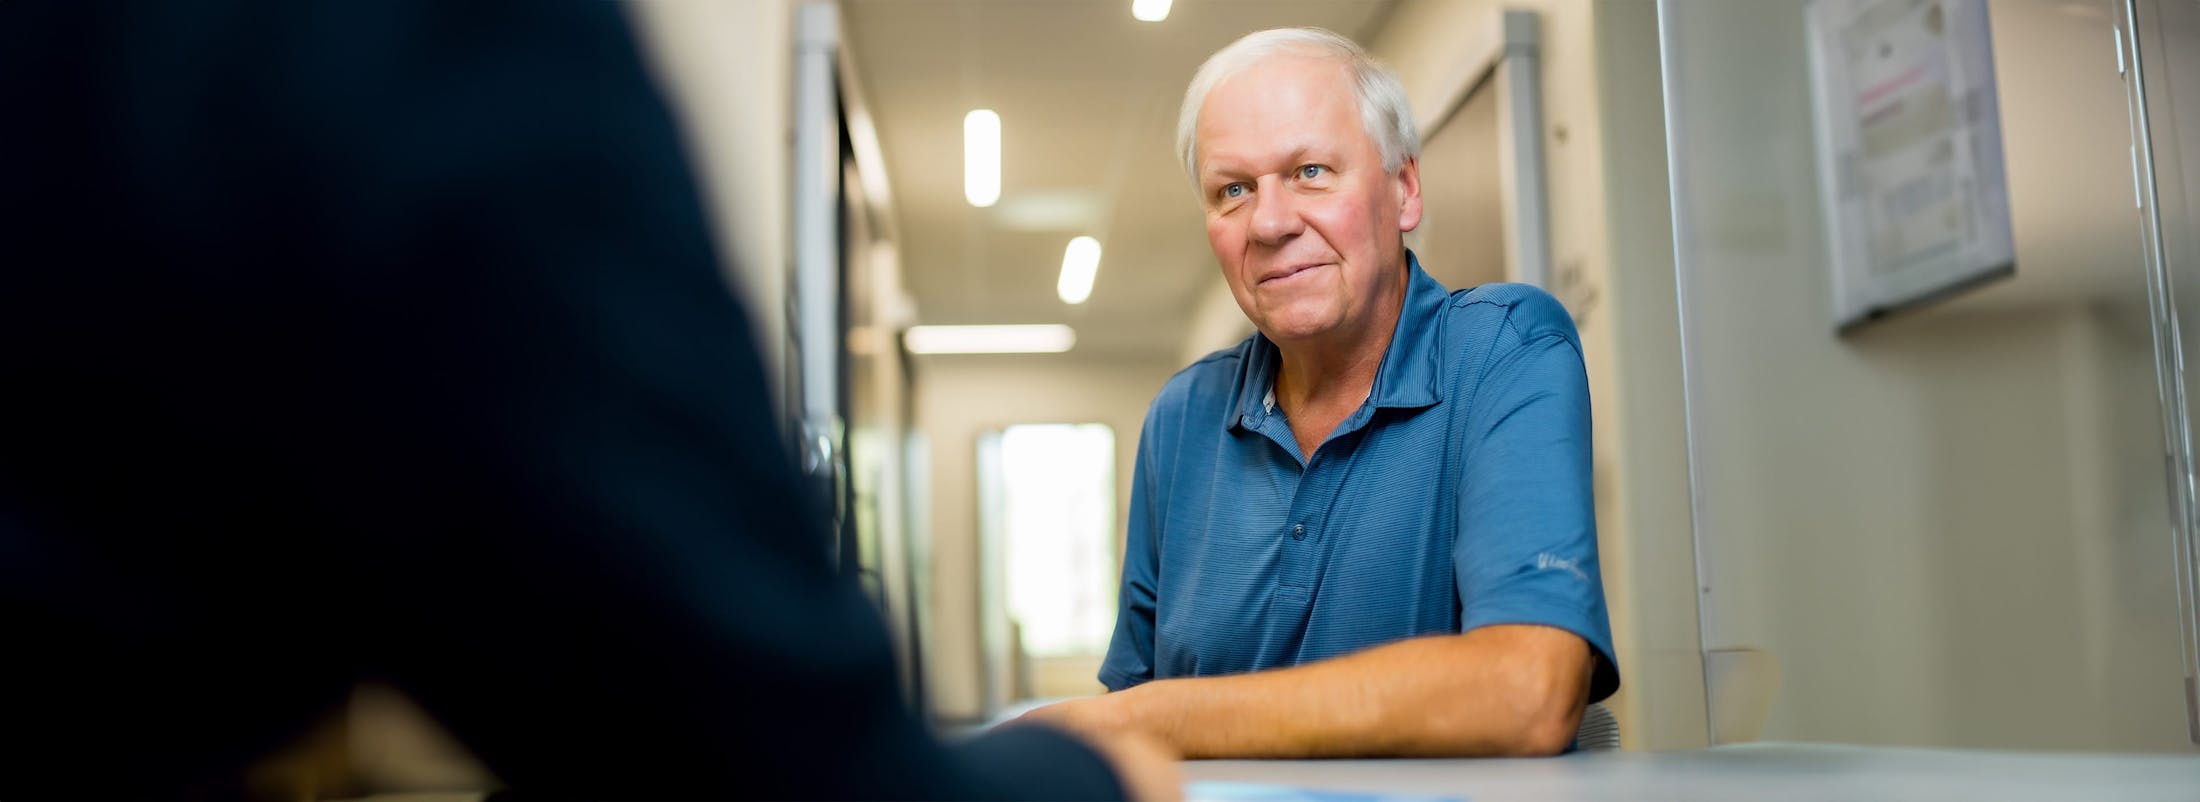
(1949, 525)
(2164, 84)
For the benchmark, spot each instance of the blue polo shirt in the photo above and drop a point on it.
(1456, 497)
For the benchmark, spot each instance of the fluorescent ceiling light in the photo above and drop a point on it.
(1150, 10)
(982, 157)
(1041, 339)
(1080, 261)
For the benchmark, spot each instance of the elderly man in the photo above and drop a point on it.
(1365, 530)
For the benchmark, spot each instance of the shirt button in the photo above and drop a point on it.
(1298, 531)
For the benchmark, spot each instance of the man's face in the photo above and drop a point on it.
(1304, 221)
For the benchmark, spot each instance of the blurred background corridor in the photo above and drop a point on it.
(1960, 518)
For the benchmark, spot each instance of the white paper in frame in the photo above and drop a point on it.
(1909, 152)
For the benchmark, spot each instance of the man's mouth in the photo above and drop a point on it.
(1288, 273)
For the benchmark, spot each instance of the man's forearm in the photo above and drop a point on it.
(1505, 690)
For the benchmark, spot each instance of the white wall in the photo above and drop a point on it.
(1950, 527)
(960, 396)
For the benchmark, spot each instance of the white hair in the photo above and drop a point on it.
(1382, 99)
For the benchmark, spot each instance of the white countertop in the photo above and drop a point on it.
(1786, 772)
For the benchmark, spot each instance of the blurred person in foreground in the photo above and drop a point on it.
(1366, 530)
(384, 340)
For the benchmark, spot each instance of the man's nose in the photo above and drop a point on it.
(1275, 214)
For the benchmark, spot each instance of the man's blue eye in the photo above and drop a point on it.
(1310, 171)
(1233, 190)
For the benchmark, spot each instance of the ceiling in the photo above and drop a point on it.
(1088, 99)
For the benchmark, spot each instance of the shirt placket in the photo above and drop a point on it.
(1305, 531)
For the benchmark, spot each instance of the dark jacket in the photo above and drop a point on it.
(375, 339)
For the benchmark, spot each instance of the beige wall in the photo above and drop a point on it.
(1611, 258)
(1949, 528)
(957, 398)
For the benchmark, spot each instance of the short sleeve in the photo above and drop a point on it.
(1130, 659)
(1527, 548)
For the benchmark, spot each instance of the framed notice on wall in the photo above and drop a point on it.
(1909, 152)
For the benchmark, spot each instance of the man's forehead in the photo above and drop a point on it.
(1269, 154)
(1271, 110)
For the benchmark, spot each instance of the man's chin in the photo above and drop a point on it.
(1294, 329)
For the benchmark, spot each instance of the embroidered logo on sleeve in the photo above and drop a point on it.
(1548, 562)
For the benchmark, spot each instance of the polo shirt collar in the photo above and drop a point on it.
(1410, 373)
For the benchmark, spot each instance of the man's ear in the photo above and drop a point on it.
(1408, 182)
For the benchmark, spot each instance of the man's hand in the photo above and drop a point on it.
(1085, 715)
(1147, 770)
(1145, 764)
